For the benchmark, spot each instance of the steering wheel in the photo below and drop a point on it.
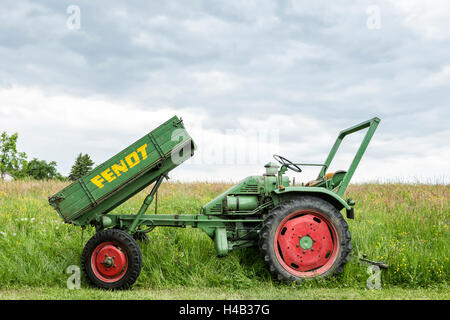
(287, 163)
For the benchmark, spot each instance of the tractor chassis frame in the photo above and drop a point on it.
(232, 232)
(227, 233)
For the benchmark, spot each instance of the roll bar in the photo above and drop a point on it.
(372, 124)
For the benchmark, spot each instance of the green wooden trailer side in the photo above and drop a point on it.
(125, 174)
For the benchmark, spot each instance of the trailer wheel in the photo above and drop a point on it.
(304, 238)
(112, 259)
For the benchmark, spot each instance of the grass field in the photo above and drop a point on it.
(404, 225)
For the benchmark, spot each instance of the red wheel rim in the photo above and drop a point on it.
(306, 243)
(109, 262)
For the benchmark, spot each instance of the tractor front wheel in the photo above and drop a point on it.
(304, 238)
(112, 259)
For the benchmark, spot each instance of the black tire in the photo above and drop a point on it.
(130, 256)
(286, 212)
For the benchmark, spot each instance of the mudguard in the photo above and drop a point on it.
(323, 193)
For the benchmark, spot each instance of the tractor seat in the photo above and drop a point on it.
(335, 176)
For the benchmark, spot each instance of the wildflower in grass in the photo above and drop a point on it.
(3, 233)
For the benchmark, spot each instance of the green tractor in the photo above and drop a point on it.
(299, 229)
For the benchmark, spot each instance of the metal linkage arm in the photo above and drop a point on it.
(148, 200)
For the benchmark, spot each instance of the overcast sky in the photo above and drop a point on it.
(250, 78)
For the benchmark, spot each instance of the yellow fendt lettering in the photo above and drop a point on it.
(108, 175)
(116, 170)
(143, 151)
(132, 159)
(97, 180)
(119, 168)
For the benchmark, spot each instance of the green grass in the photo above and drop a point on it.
(404, 225)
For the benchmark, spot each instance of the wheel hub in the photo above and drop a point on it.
(110, 261)
(305, 243)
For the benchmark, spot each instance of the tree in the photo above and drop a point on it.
(40, 170)
(83, 164)
(10, 159)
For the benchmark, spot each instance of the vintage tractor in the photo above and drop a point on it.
(299, 229)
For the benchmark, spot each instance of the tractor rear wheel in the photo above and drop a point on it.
(303, 238)
(112, 259)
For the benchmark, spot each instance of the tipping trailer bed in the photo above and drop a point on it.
(125, 174)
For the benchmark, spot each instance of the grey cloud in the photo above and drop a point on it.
(235, 60)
